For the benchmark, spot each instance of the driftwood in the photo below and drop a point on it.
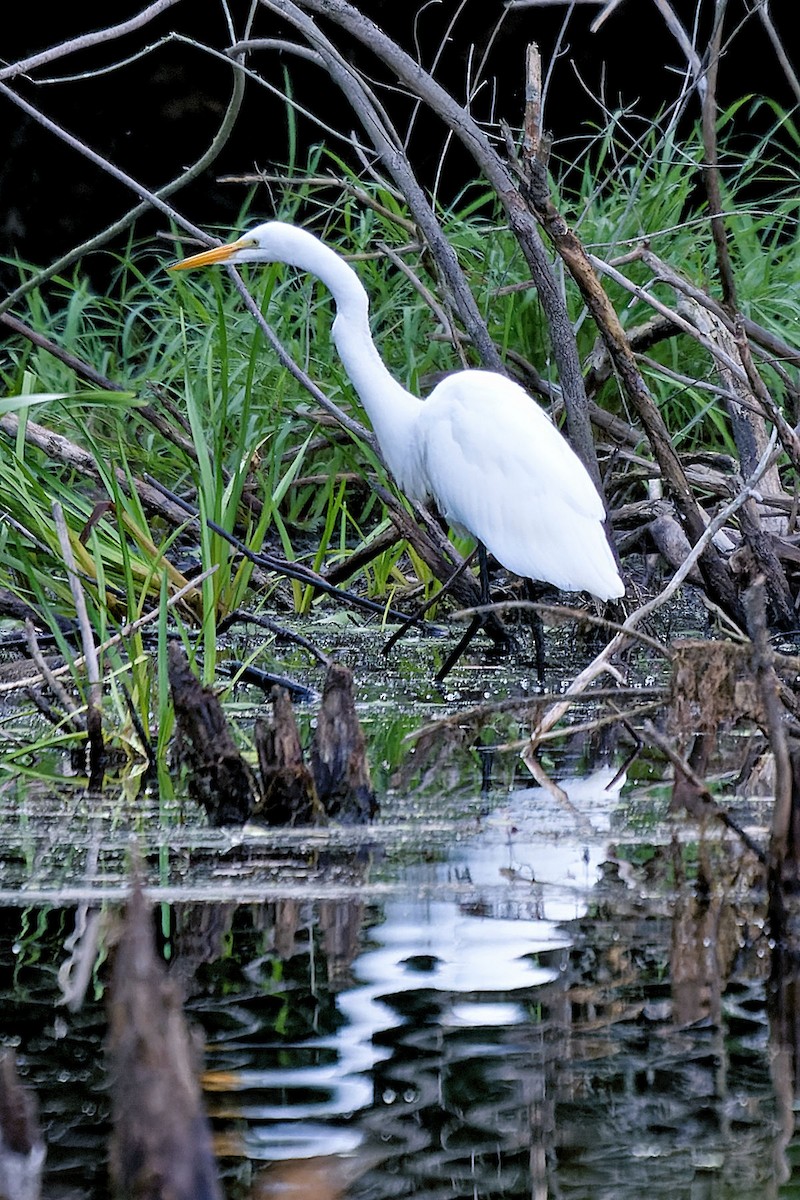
(161, 1142)
(22, 1150)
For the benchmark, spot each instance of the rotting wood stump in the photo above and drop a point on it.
(338, 752)
(218, 777)
(22, 1149)
(161, 1143)
(712, 684)
(337, 781)
(287, 791)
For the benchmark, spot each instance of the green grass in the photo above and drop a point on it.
(258, 460)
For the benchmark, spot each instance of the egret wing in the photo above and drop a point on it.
(497, 467)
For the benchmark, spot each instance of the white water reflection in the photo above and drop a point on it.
(458, 947)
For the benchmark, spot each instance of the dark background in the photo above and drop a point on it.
(159, 111)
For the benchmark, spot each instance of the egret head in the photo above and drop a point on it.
(274, 241)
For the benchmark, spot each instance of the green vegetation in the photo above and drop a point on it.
(206, 410)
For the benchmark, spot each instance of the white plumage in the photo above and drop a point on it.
(478, 446)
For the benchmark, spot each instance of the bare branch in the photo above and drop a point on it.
(149, 199)
(521, 220)
(86, 41)
(762, 7)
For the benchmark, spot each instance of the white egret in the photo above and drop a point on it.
(478, 446)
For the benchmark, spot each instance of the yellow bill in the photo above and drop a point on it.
(207, 257)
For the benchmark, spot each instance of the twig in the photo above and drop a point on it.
(54, 684)
(762, 7)
(680, 764)
(149, 199)
(711, 164)
(600, 662)
(193, 584)
(86, 41)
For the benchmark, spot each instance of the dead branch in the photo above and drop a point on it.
(711, 164)
(149, 198)
(61, 449)
(601, 662)
(523, 224)
(581, 268)
(43, 58)
(699, 800)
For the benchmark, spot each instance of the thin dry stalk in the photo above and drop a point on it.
(77, 664)
(94, 718)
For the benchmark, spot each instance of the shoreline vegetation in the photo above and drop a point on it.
(183, 454)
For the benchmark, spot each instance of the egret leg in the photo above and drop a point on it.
(533, 593)
(477, 621)
(455, 654)
(483, 574)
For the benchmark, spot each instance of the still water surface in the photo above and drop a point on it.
(523, 999)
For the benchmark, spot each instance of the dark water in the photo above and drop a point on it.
(522, 999)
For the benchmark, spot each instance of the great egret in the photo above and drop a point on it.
(478, 446)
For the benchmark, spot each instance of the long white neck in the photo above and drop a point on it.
(391, 409)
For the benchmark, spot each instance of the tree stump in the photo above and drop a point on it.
(289, 795)
(338, 752)
(217, 775)
(161, 1140)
